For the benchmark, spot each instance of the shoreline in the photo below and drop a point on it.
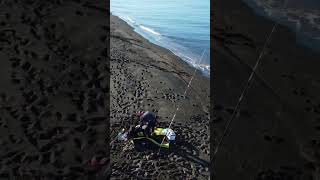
(204, 70)
(303, 38)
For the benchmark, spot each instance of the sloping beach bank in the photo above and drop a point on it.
(145, 76)
(277, 132)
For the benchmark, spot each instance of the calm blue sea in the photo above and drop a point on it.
(182, 26)
(302, 16)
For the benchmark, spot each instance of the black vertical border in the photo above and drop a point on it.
(212, 86)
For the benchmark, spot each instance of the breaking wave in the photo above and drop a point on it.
(150, 30)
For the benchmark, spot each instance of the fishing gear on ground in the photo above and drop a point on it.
(147, 134)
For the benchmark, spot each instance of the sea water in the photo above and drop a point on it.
(182, 26)
(301, 16)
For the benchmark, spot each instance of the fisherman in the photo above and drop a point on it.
(147, 123)
(146, 132)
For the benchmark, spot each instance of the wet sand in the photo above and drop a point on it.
(54, 89)
(276, 135)
(148, 77)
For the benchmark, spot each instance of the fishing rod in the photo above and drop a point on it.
(246, 88)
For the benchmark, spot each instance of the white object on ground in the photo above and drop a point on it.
(123, 136)
(170, 134)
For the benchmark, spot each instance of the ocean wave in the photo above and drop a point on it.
(127, 19)
(150, 30)
(204, 68)
(134, 23)
(130, 20)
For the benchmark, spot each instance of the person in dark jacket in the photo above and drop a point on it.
(148, 122)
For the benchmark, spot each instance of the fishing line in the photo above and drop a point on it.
(244, 92)
(177, 109)
(185, 92)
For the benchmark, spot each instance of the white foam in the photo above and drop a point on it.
(205, 68)
(149, 30)
(130, 20)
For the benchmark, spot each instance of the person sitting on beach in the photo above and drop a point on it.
(148, 122)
